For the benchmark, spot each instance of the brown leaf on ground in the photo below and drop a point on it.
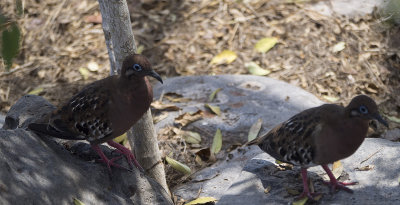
(187, 118)
(161, 106)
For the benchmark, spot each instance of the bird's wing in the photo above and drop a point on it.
(84, 116)
(292, 141)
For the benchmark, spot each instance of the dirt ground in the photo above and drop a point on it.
(63, 48)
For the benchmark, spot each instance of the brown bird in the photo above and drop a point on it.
(321, 135)
(105, 109)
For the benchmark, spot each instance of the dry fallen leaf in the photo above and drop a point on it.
(187, 118)
(214, 109)
(337, 169)
(226, 56)
(161, 106)
(267, 190)
(175, 97)
(301, 201)
(202, 200)
(213, 94)
(203, 155)
(339, 47)
(217, 142)
(265, 44)
(293, 192)
(160, 117)
(178, 165)
(189, 136)
(365, 168)
(255, 69)
(254, 130)
(330, 98)
(93, 66)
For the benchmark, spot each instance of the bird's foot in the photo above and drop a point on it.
(111, 162)
(334, 185)
(128, 154)
(108, 162)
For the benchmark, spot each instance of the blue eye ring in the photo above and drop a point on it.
(137, 67)
(363, 109)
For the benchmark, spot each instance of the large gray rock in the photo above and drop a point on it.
(39, 170)
(243, 100)
(242, 175)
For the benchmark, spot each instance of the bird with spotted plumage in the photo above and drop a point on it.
(104, 109)
(320, 136)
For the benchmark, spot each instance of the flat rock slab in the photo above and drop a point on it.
(380, 185)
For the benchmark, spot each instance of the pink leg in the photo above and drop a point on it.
(128, 154)
(335, 184)
(105, 159)
(306, 190)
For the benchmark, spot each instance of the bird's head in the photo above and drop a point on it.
(137, 65)
(364, 107)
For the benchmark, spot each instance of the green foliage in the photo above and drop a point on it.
(9, 41)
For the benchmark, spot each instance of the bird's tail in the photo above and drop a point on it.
(256, 141)
(47, 129)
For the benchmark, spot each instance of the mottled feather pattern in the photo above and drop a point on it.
(92, 124)
(291, 141)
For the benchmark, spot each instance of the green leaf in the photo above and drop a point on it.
(10, 43)
(255, 69)
(191, 137)
(226, 56)
(122, 139)
(78, 202)
(19, 7)
(217, 142)
(254, 130)
(202, 200)
(84, 72)
(265, 44)
(393, 118)
(140, 49)
(213, 94)
(178, 166)
(214, 109)
(301, 201)
(36, 91)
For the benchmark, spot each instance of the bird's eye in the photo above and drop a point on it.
(137, 67)
(363, 109)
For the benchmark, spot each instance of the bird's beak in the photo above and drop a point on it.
(155, 75)
(377, 117)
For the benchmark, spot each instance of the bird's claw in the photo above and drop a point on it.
(339, 185)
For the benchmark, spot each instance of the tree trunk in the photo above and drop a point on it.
(120, 43)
